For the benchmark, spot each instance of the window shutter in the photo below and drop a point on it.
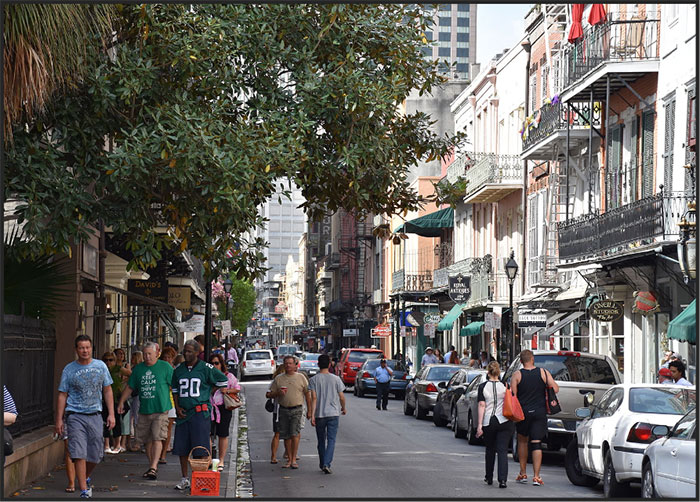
(647, 153)
(670, 118)
(612, 171)
(690, 149)
(634, 162)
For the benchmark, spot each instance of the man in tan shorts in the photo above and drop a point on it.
(151, 379)
(291, 389)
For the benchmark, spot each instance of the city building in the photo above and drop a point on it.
(454, 32)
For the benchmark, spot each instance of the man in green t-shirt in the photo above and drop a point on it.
(193, 383)
(151, 379)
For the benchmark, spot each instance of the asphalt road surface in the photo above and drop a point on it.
(385, 454)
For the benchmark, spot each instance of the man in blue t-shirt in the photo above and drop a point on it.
(382, 379)
(84, 383)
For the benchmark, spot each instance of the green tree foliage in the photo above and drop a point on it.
(198, 113)
(243, 295)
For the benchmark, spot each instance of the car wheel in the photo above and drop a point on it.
(354, 390)
(360, 392)
(648, 489)
(407, 408)
(572, 464)
(459, 432)
(437, 417)
(611, 486)
(471, 431)
(421, 413)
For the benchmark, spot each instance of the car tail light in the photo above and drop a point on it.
(641, 433)
(272, 363)
(570, 353)
(366, 375)
(431, 387)
(244, 364)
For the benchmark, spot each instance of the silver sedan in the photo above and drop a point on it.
(422, 390)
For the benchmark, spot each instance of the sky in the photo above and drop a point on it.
(499, 26)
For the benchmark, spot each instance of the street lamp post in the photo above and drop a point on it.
(228, 284)
(511, 272)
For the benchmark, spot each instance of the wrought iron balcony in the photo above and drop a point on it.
(548, 124)
(492, 177)
(642, 222)
(618, 40)
(479, 271)
(401, 281)
(333, 261)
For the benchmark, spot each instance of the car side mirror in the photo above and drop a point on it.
(660, 431)
(583, 412)
(442, 385)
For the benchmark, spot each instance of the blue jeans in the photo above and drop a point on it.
(326, 429)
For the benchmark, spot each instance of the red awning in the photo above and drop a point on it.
(576, 30)
(597, 14)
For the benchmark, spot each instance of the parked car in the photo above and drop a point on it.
(669, 466)
(450, 391)
(464, 414)
(610, 441)
(285, 350)
(308, 364)
(257, 362)
(364, 378)
(578, 374)
(351, 360)
(422, 389)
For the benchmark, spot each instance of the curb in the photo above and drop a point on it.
(232, 460)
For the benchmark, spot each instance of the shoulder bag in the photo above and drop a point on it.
(231, 402)
(550, 397)
(8, 447)
(511, 407)
(269, 405)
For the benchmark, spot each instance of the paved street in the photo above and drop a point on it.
(387, 454)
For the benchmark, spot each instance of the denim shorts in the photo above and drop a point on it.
(194, 432)
(85, 437)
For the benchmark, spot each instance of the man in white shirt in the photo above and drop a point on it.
(428, 357)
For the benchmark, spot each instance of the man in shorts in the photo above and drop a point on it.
(151, 379)
(192, 385)
(291, 389)
(529, 385)
(84, 383)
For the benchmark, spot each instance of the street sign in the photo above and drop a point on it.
(429, 330)
(606, 310)
(460, 288)
(492, 321)
(226, 328)
(381, 331)
(194, 324)
(532, 320)
(350, 332)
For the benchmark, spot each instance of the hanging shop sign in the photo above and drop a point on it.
(155, 289)
(432, 318)
(532, 320)
(381, 331)
(429, 330)
(460, 288)
(492, 321)
(180, 297)
(606, 310)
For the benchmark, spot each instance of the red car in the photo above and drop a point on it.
(351, 360)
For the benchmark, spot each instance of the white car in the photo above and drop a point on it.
(611, 440)
(258, 362)
(669, 463)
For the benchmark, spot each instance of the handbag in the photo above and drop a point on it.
(511, 407)
(230, 402)
(550, 399)
(269, 405)
(9, 448)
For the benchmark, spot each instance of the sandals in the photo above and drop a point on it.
(537, 481)
(151, 473)
(220, 468)
(522, 478)
(162, 461)
(70, 489)
(273, 461)
(294, 465)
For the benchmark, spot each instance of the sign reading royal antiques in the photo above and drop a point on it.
(156, 289)
(606, 310)
(459, 288)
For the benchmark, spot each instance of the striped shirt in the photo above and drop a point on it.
(7, 402)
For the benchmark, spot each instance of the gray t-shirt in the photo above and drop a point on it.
(327, 386)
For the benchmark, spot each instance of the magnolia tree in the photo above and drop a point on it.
(188, 123)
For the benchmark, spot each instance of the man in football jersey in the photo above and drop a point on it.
(193, 383)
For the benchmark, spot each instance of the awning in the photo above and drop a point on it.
(471, 329)
(446, 323)
(430, 224)
(683, 327)
(564, 322)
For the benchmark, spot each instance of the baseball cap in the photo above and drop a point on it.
(665, 372)
(428, 348)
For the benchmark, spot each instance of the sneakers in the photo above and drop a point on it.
(536, 481)
(86, 494)
(327, 469)
(522, 478)
(183, 485)
(502, 484)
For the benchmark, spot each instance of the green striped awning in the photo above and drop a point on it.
(429, 225)
(471, 329)
(683, 327)
(446, 323)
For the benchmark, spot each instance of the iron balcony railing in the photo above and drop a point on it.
(461, 164)
(477, 269)
(632, 39)
(541, 270)
(420, 281)
(491, 168)
(552, 117)
(643, 221)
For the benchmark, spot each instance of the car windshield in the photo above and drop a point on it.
(472, 375)
(311, 357)
(286, 349)
(662, 401)
(577, 369)
(251, 356)
(374, 363)
(356, 356)
(440, 373)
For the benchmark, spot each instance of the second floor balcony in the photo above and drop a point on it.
(490, 177)
(645, 222)
(479, 272)
(401, 281)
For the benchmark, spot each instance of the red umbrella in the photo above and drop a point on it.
(597, 14)
(576, 30)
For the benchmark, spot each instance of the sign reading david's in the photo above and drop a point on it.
(460, 288)
(155, 289)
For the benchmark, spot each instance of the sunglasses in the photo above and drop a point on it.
(108, 360)
(217, 363)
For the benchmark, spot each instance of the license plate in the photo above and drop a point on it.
(312, 372)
